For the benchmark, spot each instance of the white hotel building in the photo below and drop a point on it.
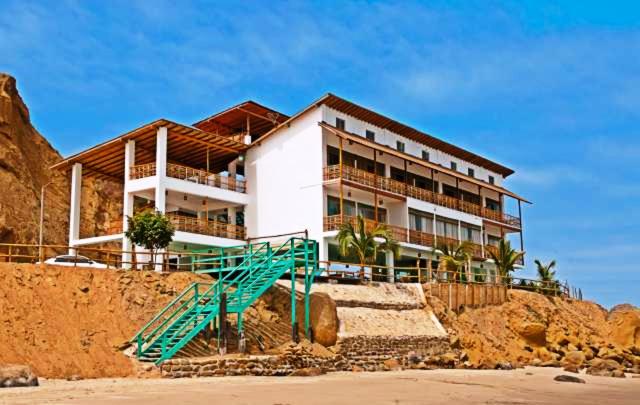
(250, 172)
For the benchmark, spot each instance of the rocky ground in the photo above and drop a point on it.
(532, 329)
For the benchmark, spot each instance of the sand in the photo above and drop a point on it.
(523, 386)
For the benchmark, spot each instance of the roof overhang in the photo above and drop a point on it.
(432, 166)
(186, 145)
(241, 118)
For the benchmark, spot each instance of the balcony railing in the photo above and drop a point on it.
(334, 222)
(142, 171)
(394, 186)
(193, 175)
(203, 177)
(203, 227)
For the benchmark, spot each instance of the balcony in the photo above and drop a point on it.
(400, 234)
(193, 175)
(367, 179)
(185, 223)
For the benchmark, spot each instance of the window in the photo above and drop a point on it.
(471, 172)
(369, 212)
(370, 135)
(333, 206)
(425, 155)
(492, 204)
(492, 180)
(400, 146)
(447, 229)
(454, 166)
(420, 221)
(340, 123)
(471, 233)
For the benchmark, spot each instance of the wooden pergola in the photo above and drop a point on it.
(188, 146)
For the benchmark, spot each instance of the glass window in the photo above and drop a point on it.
(420, 221)
(471, 172)
(471, 233)
(368, 212)
(447, 229)
(425, 155)
(333, 206)
(400, 146)
(492, 204)
(492, 180)
(370, 135)
(454, 166)
(339, 123)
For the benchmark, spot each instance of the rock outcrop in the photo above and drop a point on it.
(17, 376)
(25, 159)
(531, 329)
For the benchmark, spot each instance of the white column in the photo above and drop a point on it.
(390, 270)
(161, 169)
(74, 211)
(127, 204)
(161, 173)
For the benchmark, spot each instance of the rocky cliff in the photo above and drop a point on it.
(531, 328)
(25, 158)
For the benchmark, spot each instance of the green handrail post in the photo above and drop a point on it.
(307, 289)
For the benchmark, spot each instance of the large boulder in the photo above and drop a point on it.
(605, 368)
(534, 333)
(323, 317)
(17, 376)
(576, 358)
(624, 322)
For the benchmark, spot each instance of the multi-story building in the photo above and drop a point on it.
(250, 172)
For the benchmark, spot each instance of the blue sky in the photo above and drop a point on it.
(551, 89)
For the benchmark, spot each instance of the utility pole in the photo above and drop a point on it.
(40, 238)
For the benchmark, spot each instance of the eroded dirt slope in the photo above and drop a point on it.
(65, 321)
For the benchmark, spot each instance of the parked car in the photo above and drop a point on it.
(75, 261)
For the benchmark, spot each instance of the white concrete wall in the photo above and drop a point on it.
(284, 177)
(414, 148)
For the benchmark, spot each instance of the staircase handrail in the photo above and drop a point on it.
(164, 310)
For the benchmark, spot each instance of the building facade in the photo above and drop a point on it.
(251, 172)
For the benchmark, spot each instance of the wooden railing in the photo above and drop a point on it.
(190, 174)
(334, 222)
(142, 171)
(387, 184)
(203, 177)
(203, 227)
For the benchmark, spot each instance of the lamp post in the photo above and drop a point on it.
(40, 237)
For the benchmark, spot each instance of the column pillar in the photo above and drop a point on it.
(127, 205)
(390, 270)
(74, 211)
(160, 188)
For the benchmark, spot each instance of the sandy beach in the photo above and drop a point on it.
(523, 386)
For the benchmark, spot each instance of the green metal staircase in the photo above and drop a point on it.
(237, 287)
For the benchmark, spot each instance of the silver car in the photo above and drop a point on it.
(75, 261)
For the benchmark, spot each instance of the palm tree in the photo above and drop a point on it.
(455, 258)
(362, 243)
(505, 259)
(546, 275)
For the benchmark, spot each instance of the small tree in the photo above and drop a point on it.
(357, 240)
(505, 259)
(547, 277)
(150, 229)
(454, 259)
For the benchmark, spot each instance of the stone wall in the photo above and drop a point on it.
(358, 353)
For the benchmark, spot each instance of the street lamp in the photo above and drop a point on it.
(40, 238)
